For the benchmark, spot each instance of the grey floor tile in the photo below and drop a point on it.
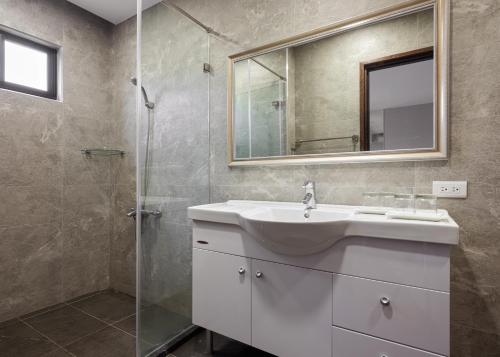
(109, 342)
(58, 353)
(127, 325)
(65, 325)
(159, 325)
(19, 340)
(223, 347)
(108, 306)
(4, 324)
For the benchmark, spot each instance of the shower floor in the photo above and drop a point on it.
(97, 325)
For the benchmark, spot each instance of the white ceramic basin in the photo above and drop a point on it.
(285, 230)
(282, 228)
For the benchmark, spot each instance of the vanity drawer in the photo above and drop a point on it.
(347, 343)
(412, 316)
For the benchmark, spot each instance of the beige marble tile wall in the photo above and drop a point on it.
(54, 203)
(475, 150)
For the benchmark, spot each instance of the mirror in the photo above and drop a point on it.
(397, 101)
(370, 88)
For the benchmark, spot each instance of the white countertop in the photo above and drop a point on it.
(361, 225)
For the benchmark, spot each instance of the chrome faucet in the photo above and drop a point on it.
(309, 198)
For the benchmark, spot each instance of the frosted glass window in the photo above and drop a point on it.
(26, 66)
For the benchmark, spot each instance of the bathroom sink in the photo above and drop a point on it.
(282, 228)
(285, 230)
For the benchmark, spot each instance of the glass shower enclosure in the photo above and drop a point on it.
(172, 168)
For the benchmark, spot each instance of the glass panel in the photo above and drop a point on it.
(25, 66)
(173, 169)
(241, 112)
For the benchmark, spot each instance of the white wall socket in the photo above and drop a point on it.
(450, 189)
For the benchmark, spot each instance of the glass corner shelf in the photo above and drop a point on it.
(102, 152)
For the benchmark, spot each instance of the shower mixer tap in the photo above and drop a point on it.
(144, 213)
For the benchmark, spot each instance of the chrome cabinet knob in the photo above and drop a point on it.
(384, 355)
(386, 302)
(241, 271)
(258, 275)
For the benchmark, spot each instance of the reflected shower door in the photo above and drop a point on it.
(173, 170)
(260, 109)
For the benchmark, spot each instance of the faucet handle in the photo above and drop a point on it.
(307, 198)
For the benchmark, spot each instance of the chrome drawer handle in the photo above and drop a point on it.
(259, 275)
(386, 302)
(241, 271)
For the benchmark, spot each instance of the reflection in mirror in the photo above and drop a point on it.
(260, 107)
(397, 95)
(371, 88)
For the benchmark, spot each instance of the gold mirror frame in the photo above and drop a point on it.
(441, 52)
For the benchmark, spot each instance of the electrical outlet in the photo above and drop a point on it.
(449, 189)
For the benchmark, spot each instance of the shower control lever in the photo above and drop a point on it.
(385, 301)
(144, 213)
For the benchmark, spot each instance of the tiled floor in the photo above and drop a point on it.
(97, 325)
(103, 325)
(223, 347)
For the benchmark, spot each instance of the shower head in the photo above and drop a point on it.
(149, 105)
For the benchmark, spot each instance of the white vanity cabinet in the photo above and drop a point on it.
(363, 296)
(281, 309)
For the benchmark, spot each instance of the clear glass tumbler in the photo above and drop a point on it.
(387, 199)
(426, 203)
(404, 202)
(371, 199)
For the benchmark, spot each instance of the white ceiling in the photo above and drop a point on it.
(114, 11)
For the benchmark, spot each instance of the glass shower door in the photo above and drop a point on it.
(173, 170)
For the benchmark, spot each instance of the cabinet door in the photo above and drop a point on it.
(291, 310)
(221, 294)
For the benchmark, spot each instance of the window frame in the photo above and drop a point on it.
(52, 64)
